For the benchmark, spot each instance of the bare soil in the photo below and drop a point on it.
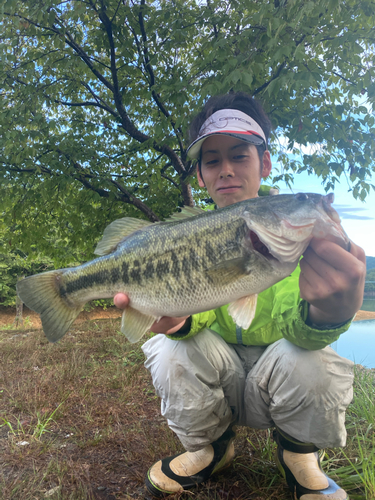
(32, 319)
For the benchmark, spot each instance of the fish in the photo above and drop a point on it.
(193, 262)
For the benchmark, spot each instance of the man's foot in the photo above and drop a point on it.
(304, 474)
(186, 470)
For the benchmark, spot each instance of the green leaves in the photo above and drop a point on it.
(96, 101)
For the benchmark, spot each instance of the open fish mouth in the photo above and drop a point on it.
(287, 246)
(291, 239)
(259, 246)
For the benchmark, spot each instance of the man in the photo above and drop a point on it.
(211, 374)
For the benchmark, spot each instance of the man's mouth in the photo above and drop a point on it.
(228, 189)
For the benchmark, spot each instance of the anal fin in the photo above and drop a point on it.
(243, 310)
(135, 324)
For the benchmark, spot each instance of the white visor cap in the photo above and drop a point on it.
(228, 122)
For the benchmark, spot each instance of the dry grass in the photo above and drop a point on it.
(88, 411)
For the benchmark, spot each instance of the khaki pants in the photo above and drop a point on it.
(205, 384)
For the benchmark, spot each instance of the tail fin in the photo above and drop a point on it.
(41, 294)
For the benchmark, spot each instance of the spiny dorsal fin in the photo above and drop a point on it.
(117, 231)
(185, 213)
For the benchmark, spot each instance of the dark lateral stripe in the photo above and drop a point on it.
(101, 277)
(135, 274)
(125, 272)
(194, 261)
(162, 268)
(149, 271)
(175, 265)
(210, 252)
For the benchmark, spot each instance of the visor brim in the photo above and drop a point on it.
(194, 149)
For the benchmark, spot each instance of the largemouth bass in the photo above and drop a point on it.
(187, 265)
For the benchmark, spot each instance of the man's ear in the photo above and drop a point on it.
(199, 177)
(267, 164)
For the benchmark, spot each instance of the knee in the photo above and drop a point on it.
(318, 374)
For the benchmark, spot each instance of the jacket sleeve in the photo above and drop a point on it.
(293, 327)
(290, 313)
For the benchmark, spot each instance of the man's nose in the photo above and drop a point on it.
(226, 169)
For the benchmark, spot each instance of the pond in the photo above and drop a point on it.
(358, 343)
(368, 304)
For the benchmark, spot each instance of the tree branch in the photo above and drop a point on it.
(150, 71)
(276, 75)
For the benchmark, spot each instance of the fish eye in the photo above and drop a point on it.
(302, 196)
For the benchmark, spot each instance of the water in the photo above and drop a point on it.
(358, 343)
(368, 304)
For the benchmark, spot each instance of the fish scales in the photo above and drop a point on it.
(187, 266)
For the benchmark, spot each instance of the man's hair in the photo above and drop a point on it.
(234, 100)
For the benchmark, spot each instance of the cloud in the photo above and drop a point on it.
(346, 212)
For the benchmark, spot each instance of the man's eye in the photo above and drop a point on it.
(240, 157)
(210, 163)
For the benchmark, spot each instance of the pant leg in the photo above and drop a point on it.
(304, 393)
(201, 383)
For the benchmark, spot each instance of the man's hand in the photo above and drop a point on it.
(164, 325)
(332, 281)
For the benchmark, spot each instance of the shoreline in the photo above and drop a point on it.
(32, 319)
(363, 315)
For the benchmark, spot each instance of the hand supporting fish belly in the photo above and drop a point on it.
(194, 262)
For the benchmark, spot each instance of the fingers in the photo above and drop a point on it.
(121, 300)
(168, 325)
(336, 256)
(165, 324)
(332, 280)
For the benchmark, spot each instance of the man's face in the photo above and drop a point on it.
(231, 169)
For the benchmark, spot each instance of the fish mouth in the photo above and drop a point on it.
(340, 237)
(260, 247)
(280, 247)
(329, 210)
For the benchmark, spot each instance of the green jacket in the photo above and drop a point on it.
(280, 313)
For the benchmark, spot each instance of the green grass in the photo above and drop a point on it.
(88, 411)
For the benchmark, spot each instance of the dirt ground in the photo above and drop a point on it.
(32, 320)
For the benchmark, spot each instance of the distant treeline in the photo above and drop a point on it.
(370, 275)
(370, 263)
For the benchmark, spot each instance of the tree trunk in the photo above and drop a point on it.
(18, 320)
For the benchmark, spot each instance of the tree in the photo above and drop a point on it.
(96, 94)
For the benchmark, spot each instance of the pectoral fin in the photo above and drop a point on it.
(227, 271)
(243, 310)
(135, 324)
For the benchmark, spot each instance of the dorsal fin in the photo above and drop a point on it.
(185, 213)
(117, 231)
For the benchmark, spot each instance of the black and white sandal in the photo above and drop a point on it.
(185, 470)
(299, 463)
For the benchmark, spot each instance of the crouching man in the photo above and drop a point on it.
(212, 375)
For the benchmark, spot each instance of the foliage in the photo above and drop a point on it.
(95, 98)
(14, 265)
(370, 276)
(370, 263)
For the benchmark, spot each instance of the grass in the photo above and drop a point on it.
(88, 412)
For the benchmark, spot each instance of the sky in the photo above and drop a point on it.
(357, 217)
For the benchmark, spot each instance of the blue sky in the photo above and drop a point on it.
(357, 217)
